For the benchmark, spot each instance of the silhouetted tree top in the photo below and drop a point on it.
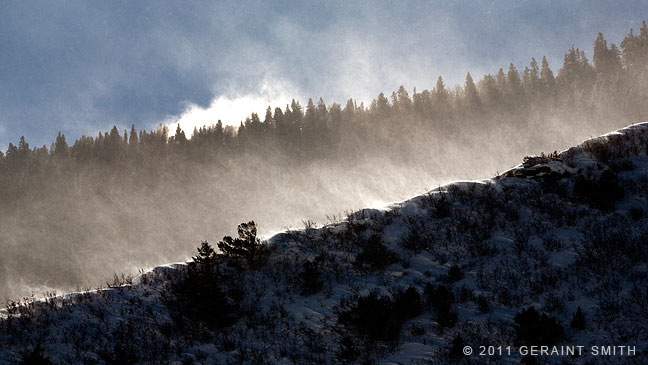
(472, 96)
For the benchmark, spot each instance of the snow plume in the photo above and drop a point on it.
(233, 107)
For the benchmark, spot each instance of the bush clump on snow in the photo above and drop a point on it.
(311, 277)
(601, 193)
(380, 318)
(440, 298)
(374, 255)
(534, 328)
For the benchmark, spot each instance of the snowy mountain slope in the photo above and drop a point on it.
(414, 283)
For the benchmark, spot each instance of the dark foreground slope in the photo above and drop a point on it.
(553, 252)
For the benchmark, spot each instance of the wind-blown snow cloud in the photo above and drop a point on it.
(233, 109)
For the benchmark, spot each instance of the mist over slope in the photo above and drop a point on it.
(76, 212)
(69, 232)
(552, 252)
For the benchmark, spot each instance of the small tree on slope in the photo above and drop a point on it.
(247, 246)
(200, 294)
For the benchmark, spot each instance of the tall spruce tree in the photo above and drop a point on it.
(470, 93)
(61, 149)
(513, 85)
(547, 76)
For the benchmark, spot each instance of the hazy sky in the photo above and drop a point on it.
(82, 66)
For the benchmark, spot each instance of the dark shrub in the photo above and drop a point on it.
(408, 304)
(484, 305)
(456, 347)
(348, 351)
(552, 244)
(35, 356)
(414, 241)
(535, 329)
(636, 213)
(121, 353)
(440, 298)
(608, 186)
(600, 194)
(583, 187)
(311, 278)
(446, 318)
(442, 207)
(530, 161)
(578, 320)
(481, 247)
(622, 165)
(380, 318)
(374, 317)
(455, 274)
(601, 150)
(374, 255)
(605, 248)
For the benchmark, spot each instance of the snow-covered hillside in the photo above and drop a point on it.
(553, 252)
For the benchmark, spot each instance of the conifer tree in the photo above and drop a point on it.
(61, 149)
(310, 116)
(513, 84)
(295, 118)
(111, 145)
(321, 112)
(12, 154)
(440, 93)
(470, 92)
(335, 119)
(526, 80)
(531, 79)
(600, 58)
(133, 140)
(382, 106)
(246, 246)
(206, 255)
(635, 49)
(23, 149)
(404, 101)
(268, 122)
(534, 75)
(615, 59)
(501, 81)
(576, 69)
(219, 132)
(348, 112)
(547, 76)
(180, 136)
(606, 62)
(281, 128)
(199, 295)
(490, 91)
(578, 320)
